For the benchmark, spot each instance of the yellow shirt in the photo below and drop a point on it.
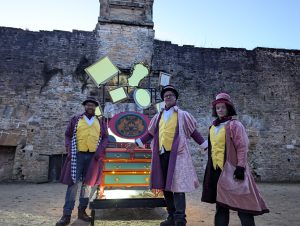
(167, 130)
(87, 135)
(217, 140)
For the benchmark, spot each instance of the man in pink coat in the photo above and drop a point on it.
(86, 137)
(172, 168)
(228, 181)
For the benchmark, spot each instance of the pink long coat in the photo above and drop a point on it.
(236, 195)
(182, 176)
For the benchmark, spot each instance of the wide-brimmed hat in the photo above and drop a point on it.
(222, 98)
(169, 88)
(90, 100)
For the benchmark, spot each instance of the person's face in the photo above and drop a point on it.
(221, 110)
(169, 98)
(90, 108)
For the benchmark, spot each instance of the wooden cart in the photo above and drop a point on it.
(126, 169)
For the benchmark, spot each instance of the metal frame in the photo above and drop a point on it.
(125, 203)
(153, 90)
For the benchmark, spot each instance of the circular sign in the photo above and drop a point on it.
(142, 98)
(129, 125)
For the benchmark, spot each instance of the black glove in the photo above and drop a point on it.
(239, 173)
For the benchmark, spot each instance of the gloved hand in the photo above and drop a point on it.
(239, 173)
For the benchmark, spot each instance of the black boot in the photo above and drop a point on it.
(168, 222)
(180, 223)
(64, 220)
(82, 215)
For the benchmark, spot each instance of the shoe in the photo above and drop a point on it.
(82, 215)
(168, 222)
(180, 223)
(64, 220)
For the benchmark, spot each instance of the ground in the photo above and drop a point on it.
(41, 204)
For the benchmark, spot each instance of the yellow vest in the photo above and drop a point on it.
(87, 136)
(167, 131)
(217, 141)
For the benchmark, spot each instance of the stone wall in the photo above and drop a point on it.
(264, 85)
(125, 44)
(42, 84)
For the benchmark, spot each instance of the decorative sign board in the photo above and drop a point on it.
(102, 71)
(142, 98)
(118, 94)
(139, 72)
(129, 125)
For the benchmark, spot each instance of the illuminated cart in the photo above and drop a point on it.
(126, 173)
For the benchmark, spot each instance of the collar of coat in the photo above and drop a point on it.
(175, 108)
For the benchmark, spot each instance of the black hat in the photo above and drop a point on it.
(168, 88)
(90, 100)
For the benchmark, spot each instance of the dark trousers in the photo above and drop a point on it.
(175, 201)
(222, 213)
(222, 217)
(83, 162)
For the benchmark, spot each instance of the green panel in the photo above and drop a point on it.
(117, 155)
(139, 72)
(118, 94)
(98, 111)
(127, 179)
(102, 71)
(142, 98)
(127, 166)
(142, 155)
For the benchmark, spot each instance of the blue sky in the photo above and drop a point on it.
(211, 23)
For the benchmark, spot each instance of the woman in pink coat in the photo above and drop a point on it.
(228, 181)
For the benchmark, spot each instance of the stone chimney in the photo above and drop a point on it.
(125, 31)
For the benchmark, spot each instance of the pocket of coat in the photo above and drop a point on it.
(182, 147)
(228, 183)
